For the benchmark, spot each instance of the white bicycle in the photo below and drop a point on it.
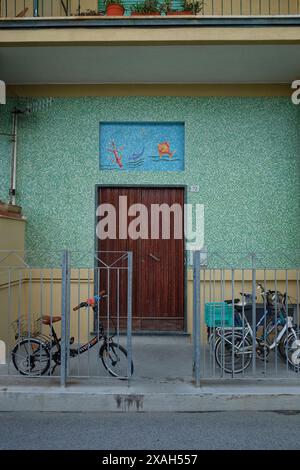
(234, 348)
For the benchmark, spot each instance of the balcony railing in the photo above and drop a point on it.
(70, 8)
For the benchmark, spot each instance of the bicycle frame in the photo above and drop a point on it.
(90, 344)
(248, 331)
(46, 349)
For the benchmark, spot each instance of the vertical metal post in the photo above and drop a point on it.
(253, 314)
(287, 315)
(129, 314)
(9, 319)
(35, 8)
(65, 308)
(298, 310)
(233, 321)
(196, 315)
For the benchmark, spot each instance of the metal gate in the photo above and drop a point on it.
(57, 322)
(246, 316)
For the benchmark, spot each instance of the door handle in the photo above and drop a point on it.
(154, 257)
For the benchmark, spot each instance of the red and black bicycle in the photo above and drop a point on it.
(37, 354)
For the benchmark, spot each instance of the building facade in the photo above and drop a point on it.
(224, 74)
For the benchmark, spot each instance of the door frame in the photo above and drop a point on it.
(185, 271)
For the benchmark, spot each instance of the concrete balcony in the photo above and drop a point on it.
(208, 11)
(227, 41)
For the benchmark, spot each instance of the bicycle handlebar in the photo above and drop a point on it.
(89, 302)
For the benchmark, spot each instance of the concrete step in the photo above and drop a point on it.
(148, 396)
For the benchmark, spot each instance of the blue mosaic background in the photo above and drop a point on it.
(242, 152)
(136, 146)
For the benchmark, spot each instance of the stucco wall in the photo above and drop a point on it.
(242, 152)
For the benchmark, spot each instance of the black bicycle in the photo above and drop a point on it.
(33, 354)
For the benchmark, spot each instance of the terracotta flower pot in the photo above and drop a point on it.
(114, 9)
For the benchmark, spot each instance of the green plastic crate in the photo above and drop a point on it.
(218, 314)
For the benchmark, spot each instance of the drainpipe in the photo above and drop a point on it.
(13, 168)
(35, 8)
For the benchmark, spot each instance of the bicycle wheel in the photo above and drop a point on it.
(114, 359)
(292, 347)
(237, 360)
(31, 357)
(271, 333)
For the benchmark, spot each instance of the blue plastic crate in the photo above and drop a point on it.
(218, 314)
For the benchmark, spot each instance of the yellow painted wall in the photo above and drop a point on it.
(212, 284)
(39, 291)
(154, 36)
(9, 301)
(237, 90)
(31, 293)
(12, 237)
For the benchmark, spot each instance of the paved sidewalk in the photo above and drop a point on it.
(148, 396)
(162, 382)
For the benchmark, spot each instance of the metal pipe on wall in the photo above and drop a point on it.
(35, 8)
(13, 169)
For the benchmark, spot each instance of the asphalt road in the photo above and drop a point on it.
(214, 430)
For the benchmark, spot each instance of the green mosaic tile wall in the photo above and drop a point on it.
(242, 152)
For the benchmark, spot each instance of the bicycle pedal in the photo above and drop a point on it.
(72, 340)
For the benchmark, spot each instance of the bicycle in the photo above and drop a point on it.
(276, 306)
(233, 347)
(32, 354)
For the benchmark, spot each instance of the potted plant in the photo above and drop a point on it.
(114, 8)
(189, 7)
(137, 9)
(147, 7)
(166, 6)
(89, 13)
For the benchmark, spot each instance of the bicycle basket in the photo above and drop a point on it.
(23, 327)
(218, 314)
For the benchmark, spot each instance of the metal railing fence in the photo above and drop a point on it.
(56, 325)
(66, 8)
(246, 318)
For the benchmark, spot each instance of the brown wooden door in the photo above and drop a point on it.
(158, 264)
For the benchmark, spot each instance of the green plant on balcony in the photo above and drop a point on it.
(114, 8)
(194, 6)
(166, 6)
(189, 7)
(89, 13)
(147, 7)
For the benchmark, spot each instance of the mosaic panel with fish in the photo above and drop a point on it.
(142, 146)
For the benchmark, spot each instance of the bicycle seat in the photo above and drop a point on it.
(230, 301)
(47, 319)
